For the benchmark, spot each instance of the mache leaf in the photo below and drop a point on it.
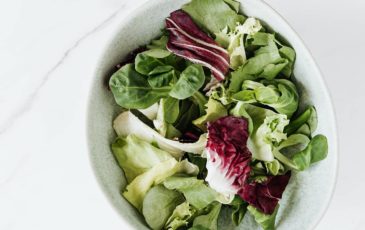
(131, 89)
(316, 150)
(307, 119)
(190, 81)
(159, 43)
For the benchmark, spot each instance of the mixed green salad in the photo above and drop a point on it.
(211, 120)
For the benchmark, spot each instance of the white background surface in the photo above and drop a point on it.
(48, 50)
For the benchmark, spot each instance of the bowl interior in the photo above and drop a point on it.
(308, 193)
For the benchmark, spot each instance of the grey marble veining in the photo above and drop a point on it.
(27, 104)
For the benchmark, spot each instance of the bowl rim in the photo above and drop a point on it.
(142, 6)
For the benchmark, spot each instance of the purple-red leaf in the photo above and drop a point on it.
(265, 196)
(228, 164)
(188, 41)
(229, 157)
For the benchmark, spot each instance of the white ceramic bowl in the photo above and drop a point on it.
(308, 194)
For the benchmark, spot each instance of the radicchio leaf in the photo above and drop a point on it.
(228, 165)
(188, 41)
(265, 196)
(227, 154)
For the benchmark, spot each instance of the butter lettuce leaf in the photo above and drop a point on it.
(288, 53)
(213, 15)
(181, 216)
(195, 191)
(158, 205)
(213, 111)
(234, 40)
(127, 123)
(136, 191)
(266, 136)
(235, 5)
(266, 129)
(208, 221)
(264, 61)
(221, 94)
(136, 156)
(270, 59)
(280, 94)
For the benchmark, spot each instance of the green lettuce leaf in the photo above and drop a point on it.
(159, 43)
(316, 150)
(213, 15)
(161, 199)
(155, 75)
(156, 53)
(195, 191)
(261, 169)
(288, 53)
(239, 208)
(208, 221)
(148, 60)
(260, 39)
(149, 113)
(189, 111)
(267, 222)
(305, 123)
(170, 109)
(167, 114)
(213, 111)
(267, 135)
(234, 40)
(181, 216)
(127, 123)
(136, 156)
(131, 90)
(266, 129)
(280, 94)
(221, 94)
(199, 99)
(294, 143)
(267, 62)
(257, 40)
(137, 189)
(274, 168)
(305, 130)
(199, 161)
(161, 76)
(190, 81)
(235, 5)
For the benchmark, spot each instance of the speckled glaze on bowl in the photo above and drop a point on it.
(308, 193)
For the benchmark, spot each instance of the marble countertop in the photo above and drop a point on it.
(48, 51)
